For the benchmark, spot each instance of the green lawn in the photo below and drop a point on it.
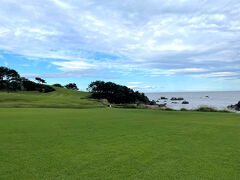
(118, 144)
(61, 98)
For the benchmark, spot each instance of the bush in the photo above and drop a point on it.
(169, 109)
(209, 109)
(131, 106)
(206, 109)
(45, 88)
(71, 86)
(58, 85)
(32, 86)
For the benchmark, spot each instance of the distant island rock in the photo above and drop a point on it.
(177, 99)
(185, 102)
(163, 98)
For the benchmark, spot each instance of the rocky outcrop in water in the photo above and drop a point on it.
(176, 99)
(163, 98)
(185, 102)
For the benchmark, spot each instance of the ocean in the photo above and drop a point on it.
(219, 99)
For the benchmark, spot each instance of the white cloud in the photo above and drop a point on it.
(219, 75)
(187, 70)
(136, 83)
(160, 38)
(142, 87)
(62, 4)
(74, 65)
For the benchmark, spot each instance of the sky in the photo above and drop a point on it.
(147, 45)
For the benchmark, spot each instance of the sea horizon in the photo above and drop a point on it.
(216, 99)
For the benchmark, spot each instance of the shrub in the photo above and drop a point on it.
(71, 86)
(32, 86)
(209, 109)
(169, 109)
(58, 85)
(206, 109)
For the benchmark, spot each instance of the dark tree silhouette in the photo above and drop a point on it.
(40, 80)
(10, 80)
(58, 85)
(71, 86)
(115, 93)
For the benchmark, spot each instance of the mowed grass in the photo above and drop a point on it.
(61, 98)
(118, 144)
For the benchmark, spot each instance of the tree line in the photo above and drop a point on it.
(115, 93)
(10, 80)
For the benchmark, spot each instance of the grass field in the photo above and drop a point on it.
(118, 144)
(61, 98)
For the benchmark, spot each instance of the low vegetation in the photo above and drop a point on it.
(209, 109)
(60, 98)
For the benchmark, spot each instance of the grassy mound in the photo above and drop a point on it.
(61, 98)
(118, 144)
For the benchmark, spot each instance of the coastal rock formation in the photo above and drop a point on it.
(177, 99)
(163, 98)
(162, 105)
(152, 102)
(185, 102)
(235, 107)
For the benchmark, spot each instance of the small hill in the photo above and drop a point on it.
(61, 98)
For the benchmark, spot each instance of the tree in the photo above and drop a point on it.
(9, 79)
(71, 86)
(58, 85)
(40, 80)
(115, 93)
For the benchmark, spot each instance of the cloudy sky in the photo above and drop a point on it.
(149, 45)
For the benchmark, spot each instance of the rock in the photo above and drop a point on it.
(163, 98)
(152, 102)
(177, 99)
(185, 102)
(236, 107)
(162, 105)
